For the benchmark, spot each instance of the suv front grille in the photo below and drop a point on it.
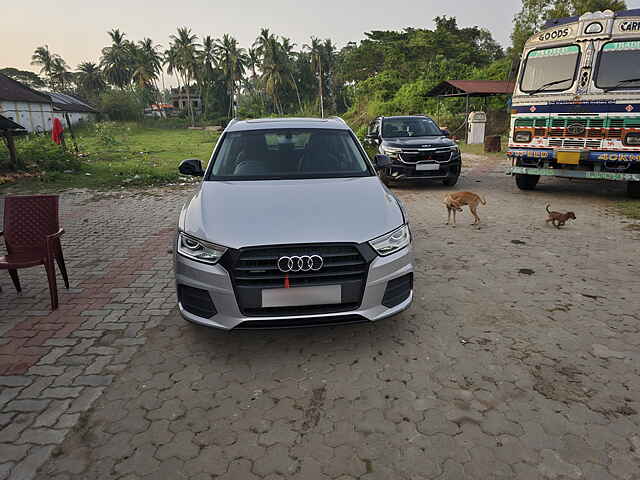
(255, 269)
(413, 156)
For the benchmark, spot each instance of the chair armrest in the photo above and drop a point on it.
(56, 235)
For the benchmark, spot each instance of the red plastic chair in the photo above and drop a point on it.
(32, 236)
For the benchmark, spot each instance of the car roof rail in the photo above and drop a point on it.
(232, 122)
(339, 119)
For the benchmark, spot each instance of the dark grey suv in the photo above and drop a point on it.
(418, 147)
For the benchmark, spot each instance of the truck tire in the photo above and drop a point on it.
(633, 189)
(527, 182)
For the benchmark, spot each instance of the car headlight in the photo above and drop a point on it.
(633, 139)
(392, 242)
(522, 137)
(391, 151)
(199, 250)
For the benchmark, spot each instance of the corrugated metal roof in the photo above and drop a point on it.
(6, 124)
(473, 88)
(63, 102)
(14, 91)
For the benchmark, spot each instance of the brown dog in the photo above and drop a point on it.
(455, 201)
(559, 219)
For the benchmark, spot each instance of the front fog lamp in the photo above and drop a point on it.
(633, 139)
(392, 242)
(199, 250)
(522, 137)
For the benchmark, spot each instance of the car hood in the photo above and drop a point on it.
(275, 212)
(418, 142)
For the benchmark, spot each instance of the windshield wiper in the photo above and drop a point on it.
(550, 84)
(622, 82)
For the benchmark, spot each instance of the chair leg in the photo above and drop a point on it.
(62, 266)
(15, 279)
(53, 287)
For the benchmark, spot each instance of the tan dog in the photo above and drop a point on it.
(455, 201)
(559, 219)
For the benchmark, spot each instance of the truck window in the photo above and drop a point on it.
(619, 66)
(549, 65)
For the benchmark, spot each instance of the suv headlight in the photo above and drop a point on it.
(633, 139)
(199, 250)
(392, 242)
(391, 151)
(522, 137)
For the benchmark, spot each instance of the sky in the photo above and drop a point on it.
(76, 29)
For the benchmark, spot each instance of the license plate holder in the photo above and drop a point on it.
(569, 158)
(428, 167)
(302, 296)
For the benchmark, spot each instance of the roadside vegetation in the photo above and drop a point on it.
(111, 154)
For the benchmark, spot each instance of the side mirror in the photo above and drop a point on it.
(382, 161)
(371, 138)
(191, 167)
(445, 132)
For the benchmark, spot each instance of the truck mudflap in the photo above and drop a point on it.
(557, 172)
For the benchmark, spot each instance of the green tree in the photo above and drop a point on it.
(29, 79)
(232, 61)
(90, 80)
(185, 50)
(117, 60)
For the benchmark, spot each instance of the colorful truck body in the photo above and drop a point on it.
(576, 105)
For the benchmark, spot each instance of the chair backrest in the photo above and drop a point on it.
(28, 219)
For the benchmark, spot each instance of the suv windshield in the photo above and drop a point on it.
(288, 154)
(550, 69)
(619, 66)
(409, 127)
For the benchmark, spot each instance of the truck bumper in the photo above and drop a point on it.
(556, 172)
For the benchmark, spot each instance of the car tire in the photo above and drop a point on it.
(633, 189)
(450, 181)
(527, 182)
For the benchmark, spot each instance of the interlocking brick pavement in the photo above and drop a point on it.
(54, 365)
(493, 374)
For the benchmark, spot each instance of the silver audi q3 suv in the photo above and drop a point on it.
(291, 227)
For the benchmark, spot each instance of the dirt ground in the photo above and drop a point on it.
(520, 358)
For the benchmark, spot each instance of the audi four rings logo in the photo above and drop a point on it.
(306, 263)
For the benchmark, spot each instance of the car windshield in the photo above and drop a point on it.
(288, 154)
(409, 127)
(619, 66)
(551, 69)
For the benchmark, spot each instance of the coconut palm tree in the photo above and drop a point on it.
(117, 60)
(90, 80)
(51, 64)
(232, 61)
(61, 77)
(186, 53)
(207, 68)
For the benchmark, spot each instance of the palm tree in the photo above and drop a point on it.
(207, 71)
(186, 52)
(316, 49)
(117, 60)
(289, 55)
(233, 61)
(51, 64)
(90, 79)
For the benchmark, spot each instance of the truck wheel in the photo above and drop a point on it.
(450, 181)
(527, 182)
(633, 189)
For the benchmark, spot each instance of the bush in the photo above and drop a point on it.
(39, 153)
(120, 105)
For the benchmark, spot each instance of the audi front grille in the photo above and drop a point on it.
(255, 269)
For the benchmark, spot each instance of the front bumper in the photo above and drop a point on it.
(402, 170)
(215, 279)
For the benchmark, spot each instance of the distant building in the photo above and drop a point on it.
(26, 107)
(180, 101)
(35, 110)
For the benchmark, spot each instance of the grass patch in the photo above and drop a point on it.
(123, 154)
(629, 208)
